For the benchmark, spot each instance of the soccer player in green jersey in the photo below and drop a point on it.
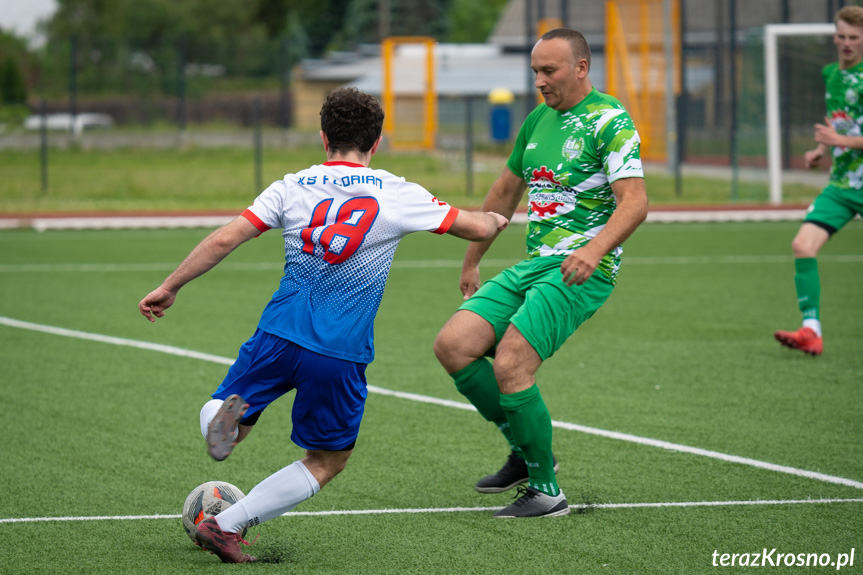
(578, 155)
(842, 199)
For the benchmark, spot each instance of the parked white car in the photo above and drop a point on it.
(66, 122)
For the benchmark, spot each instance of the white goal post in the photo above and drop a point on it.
(771, 67)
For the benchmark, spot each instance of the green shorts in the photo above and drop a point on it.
(532, 296)
(835, 207)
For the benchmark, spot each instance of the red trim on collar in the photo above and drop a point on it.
(349, 164)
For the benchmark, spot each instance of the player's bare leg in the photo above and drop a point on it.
(516, 362)
(325, 465)
(809, 240)
(465, 338)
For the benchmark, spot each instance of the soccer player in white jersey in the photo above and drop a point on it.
(342, 222)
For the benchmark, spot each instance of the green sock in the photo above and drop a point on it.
(477, 383)
(531, 426)
(808, 287)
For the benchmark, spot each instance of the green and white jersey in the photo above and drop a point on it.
(569, 160)
(845, 111)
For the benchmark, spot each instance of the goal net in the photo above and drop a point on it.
(794, 55)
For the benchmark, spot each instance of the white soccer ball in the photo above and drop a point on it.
(206, 500)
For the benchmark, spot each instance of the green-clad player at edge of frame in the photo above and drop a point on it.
(842, 198)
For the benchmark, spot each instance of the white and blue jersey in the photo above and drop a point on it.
(342, 223)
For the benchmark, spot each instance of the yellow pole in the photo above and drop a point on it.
(388, 96)
(430, 119)
(644, 21)
(611, 58)
(429, 96)
(675, 18)
(641, 120)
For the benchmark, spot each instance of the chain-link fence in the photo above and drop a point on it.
(223, 84)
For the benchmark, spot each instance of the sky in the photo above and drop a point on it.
(20, 16)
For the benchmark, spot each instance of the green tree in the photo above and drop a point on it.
(13, 90)
(420, 18)
(115, 40)
(139, 46)
(13, 60)
(472, 21)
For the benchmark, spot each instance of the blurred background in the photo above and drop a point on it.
(453, 74)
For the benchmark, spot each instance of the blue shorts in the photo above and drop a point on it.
(331, 393)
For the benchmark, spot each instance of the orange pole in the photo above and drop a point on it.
(430, 97)
(611, 58)
(388, 96)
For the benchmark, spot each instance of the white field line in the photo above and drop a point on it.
(417, 264)
(642, 441)
(410, 511)
(168, 349)
(658, 215)
(452, 404)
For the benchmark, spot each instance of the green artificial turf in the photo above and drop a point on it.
(103, 434)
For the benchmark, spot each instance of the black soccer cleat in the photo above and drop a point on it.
(534, 503)
(513, 472)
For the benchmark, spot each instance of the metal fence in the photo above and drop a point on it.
(217, 83)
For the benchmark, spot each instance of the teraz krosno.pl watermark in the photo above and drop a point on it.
(773, 558)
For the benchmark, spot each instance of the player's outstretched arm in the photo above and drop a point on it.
(503, 198)
(477, 226)
(212, 249)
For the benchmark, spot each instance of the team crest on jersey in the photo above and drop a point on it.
(572, 148)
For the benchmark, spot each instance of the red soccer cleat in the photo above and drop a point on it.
(221, 543)
(804, 339)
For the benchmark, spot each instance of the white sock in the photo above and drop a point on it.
(275, 495)
(208, 412)
(813, 324)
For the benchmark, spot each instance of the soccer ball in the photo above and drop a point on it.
(206, 500)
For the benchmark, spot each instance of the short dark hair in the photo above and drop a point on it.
(577, 43)
(352, 120)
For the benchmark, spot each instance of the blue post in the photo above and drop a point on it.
(501, 114)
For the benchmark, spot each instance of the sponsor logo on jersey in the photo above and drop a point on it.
(543, 178)
(842, 122)
(544, 209)
(572, 148)
(545, 204)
